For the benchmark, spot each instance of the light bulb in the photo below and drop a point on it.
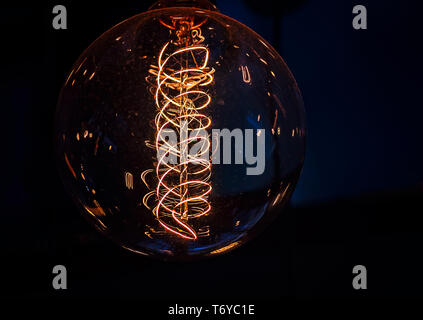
(180, 132)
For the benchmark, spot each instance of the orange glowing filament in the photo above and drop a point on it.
(183, 186)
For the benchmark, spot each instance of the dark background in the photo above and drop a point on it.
(358, 201)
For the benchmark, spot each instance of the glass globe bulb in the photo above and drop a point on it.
(180, 132)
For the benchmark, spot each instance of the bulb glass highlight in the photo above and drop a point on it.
(180, 133)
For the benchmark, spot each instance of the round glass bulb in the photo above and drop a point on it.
(180, 133)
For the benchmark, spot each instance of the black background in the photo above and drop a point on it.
(359, 200)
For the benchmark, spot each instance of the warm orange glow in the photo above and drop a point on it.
(225, 248)
(182, 190)
(174, 19)
(69, 166)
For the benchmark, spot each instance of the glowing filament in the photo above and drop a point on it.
(182, 189)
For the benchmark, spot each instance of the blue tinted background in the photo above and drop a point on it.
(362, 97)
(361, 90)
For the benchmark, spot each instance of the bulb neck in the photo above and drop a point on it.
(200, 4)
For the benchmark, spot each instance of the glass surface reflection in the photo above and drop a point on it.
(171, 70)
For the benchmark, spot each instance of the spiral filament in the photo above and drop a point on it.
(183, 168)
